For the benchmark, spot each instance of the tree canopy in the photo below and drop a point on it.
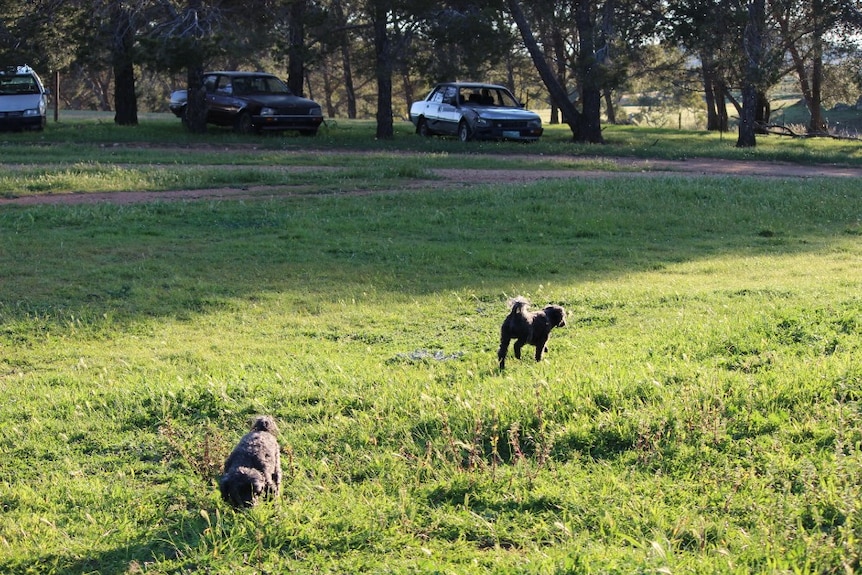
(373, 57)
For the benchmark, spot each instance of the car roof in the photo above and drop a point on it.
(235, 73)
(472, 85)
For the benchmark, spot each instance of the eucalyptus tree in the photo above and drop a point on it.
(189, 34)
(585, 123)
(391, 26)
(711, 31)
(108, 34)
(626, 33)
(814, 32)
(297, 10)
(753, 49)
(342, 27)
(554, 21)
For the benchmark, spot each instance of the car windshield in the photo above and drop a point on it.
(259, 85)
(489, 96)
(22, 84)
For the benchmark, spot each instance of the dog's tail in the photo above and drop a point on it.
(518, 304)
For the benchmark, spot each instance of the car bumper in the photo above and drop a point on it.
(504, 133)
(17, 121)
(301, 123)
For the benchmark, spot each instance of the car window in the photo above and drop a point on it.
(437, 96)
(451, 96)
(210, 83)
(11, 85)
(259, 85)
(253, 85)
(504, 98)
(228, 87)
(239, 86)
(275, 86)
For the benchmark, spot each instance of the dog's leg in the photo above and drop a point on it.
(501, 353)
(541, 347)
(518, 345)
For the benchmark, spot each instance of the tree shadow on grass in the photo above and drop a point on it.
(181, 259)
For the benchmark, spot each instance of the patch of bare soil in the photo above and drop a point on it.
(466, 177)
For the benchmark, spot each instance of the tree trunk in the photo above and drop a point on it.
(560, 58)
(809, 86)
(609, 107)
(327, 92)
(407, 88)
(196, 107)
(558, 93)
(763, 112)
(604, 56)
(196, 101)
(125, 98)
(589, 72)
(383, 73)
(296, 47)
(816, 125)
(344, 43)
(722, 95)
(711, 97)
(753, 51)
(747, 126)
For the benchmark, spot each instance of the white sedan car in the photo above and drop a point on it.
(474, 111)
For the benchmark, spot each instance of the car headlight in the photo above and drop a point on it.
(32, 112)
(267, 112)
(315, 112)
(534, 124)
(480, 121)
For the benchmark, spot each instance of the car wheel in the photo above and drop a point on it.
(243, 123)
(465, 134)
(422, 128)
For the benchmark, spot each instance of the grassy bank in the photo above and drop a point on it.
(700, 413)
(86, 140)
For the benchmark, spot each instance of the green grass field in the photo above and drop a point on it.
(700, 413)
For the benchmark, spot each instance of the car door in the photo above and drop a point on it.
(221, 104)
(448, 114)
(431, 108)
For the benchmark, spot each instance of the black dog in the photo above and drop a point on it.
(528, 327)
(254, 466)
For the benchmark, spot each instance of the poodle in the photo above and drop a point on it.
(528, 327)
(253, 469)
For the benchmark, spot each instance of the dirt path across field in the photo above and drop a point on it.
(453, 178)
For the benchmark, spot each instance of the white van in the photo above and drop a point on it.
(23, 99)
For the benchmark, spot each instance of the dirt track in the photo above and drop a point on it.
(462, 177)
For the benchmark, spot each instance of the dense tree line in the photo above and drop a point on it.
(373, 57)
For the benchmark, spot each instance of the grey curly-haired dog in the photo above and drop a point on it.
(527, 327)
(253, 469)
